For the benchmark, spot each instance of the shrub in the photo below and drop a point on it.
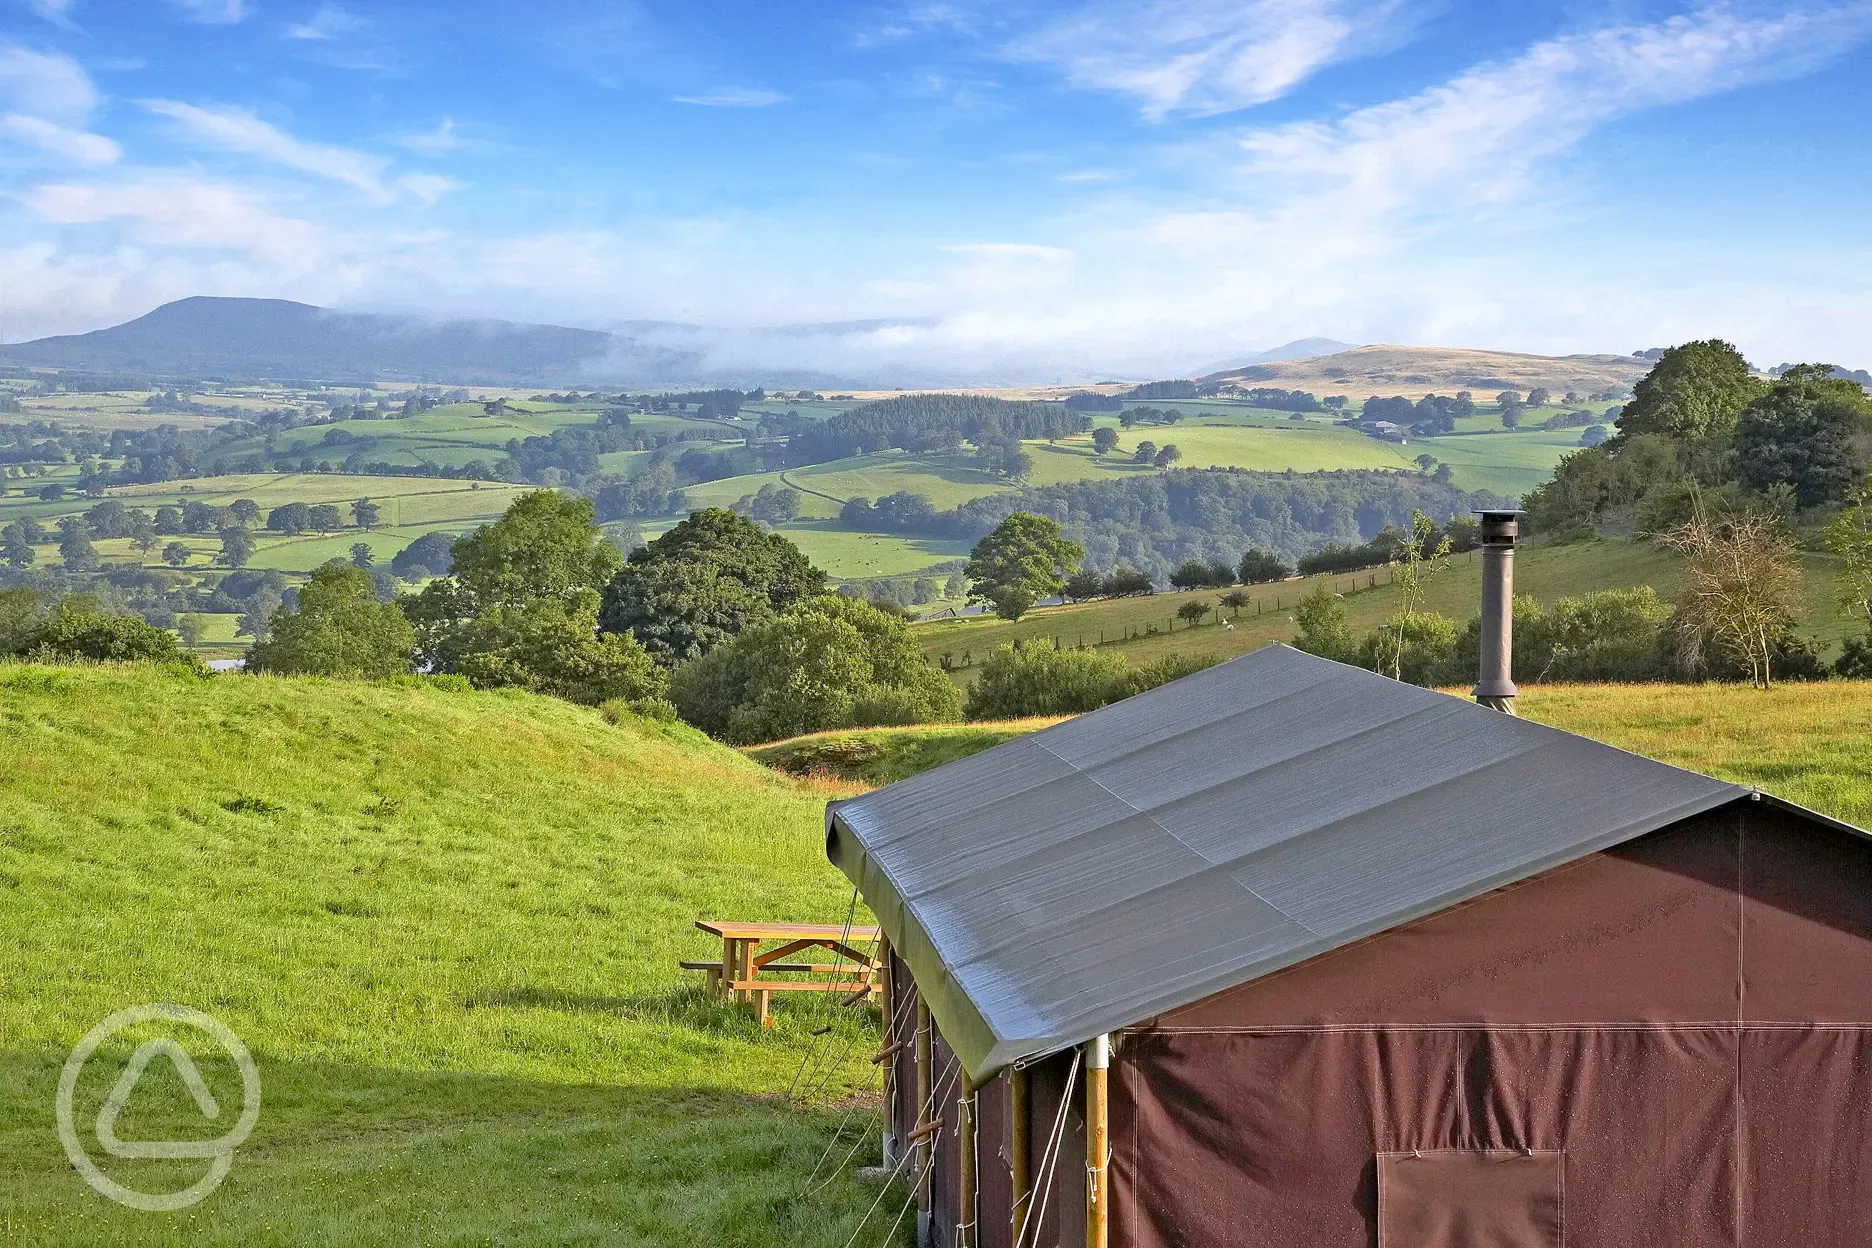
(1039, 680)
(337, 628)
(830, 662)
(77, 629)
(1855, 660)
(1423, 650)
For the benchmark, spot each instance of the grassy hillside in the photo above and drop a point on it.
(1146, 628)
(1811, 744)
(1416, 371)
(446, 924)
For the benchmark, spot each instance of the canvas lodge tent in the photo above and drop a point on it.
(1286, 953)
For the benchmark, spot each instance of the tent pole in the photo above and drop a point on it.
(966, 1197)
(1020, 1166)
(925, 1154)
(1098, 1059)
(893, 1130)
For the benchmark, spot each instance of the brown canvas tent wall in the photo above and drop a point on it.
(1652, 1033)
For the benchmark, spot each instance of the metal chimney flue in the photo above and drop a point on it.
(1495, 687)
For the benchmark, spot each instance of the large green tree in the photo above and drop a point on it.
(1694, 392)
(546, 545)
(706, 580)
(1025, 559)
(829, 662)
(552, 645)
(337, 628)
(1800, 432)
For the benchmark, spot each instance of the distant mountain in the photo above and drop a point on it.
(1416, 371)
(274, 338)
(1298, 349)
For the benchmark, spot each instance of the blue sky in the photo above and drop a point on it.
(1025, 191)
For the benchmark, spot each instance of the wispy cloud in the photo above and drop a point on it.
(734, 97)
(330, 22)
(181, 211)
(77, 145)
(237, 130)
(1009, 251)
(46, 102)
(434, 142)
(45, 84)
(1204, 57)
(58, 12)
(213, 12)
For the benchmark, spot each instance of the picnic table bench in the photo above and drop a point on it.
(745, 973)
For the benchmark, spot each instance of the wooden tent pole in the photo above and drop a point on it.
(893, 1130)
(1020, 1165)
(1098, 1059)
(925, 1154)
(966, 1201)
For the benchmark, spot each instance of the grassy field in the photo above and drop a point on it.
(1144, 628)
(1810, 744)
(447, 926)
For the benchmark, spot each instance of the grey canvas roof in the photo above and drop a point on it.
(1216, 829)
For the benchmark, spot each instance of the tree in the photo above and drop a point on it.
(18, 551)
(1194, 574)
(237, 547)
(1324, 629)
(1193, 611)
(1167, 455)
(1509, 403)
(75, 549)
(337, 628)
(244, 512)
(1744, 574)
(1800, 433)
(546, 545)
(1850, 538)
(190, 628)
(1539, 396)
(706, 580)
(143, 533)
(774, 504)
(169, 521)
(1126, 583)
(176, 554)
(1104, 440)
(552, 645)
(325, 517)
(1258, 567)
(1426, 462)
(828, 662)
(1082, 586)
(291, 519)
(1426, 552)
(428, 555)
(1235, 600)
(1146, 453)
(1693, 392)
(1025, 559)
(362, 556)
(366, 513)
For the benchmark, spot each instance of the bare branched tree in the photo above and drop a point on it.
(1743, 577)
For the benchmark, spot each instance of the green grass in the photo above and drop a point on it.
(1811, 744)
(446, 924)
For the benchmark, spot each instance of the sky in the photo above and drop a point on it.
(991, 190)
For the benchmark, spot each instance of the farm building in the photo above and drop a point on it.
(1288, 953)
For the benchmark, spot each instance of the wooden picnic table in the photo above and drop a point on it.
(739, 972)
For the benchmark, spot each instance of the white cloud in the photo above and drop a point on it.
(1009, 251)
(77, 145)
(174, 210)
(733, 97)
(1205, 57)
(237, 130)
(45, 84)
(213, 12)
(434, 142)
(58, 12)
(427, 187)
(329, 22)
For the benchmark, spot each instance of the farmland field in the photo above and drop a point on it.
(447, 925)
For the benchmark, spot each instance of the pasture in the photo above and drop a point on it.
(446, 924)
(1808, 743)
(1145, 628)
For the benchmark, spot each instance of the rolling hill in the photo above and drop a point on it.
(447, 924)
(275, 338)
(1417, 371)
